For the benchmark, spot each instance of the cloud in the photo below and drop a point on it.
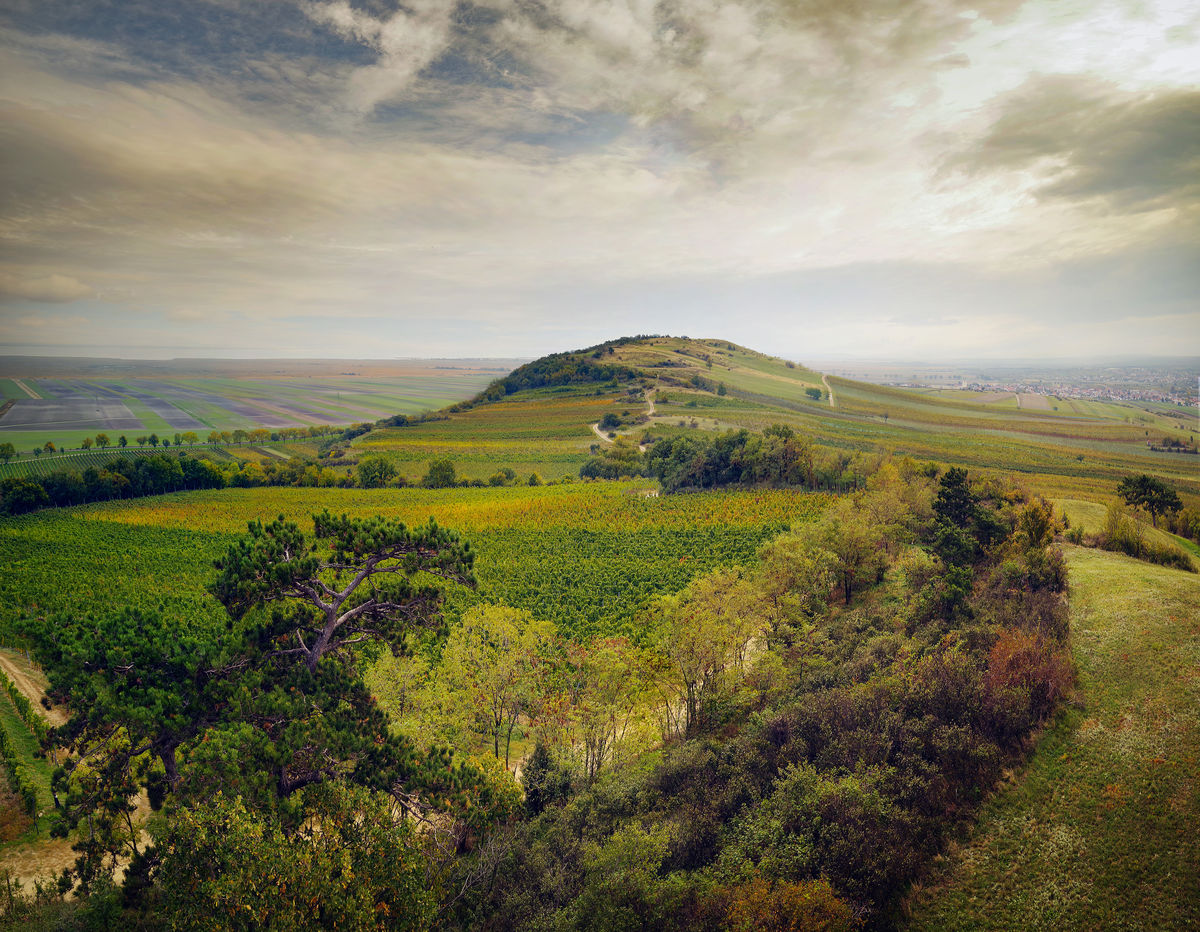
(50, 289)
(1086, 141)
(509, 168)
(407, 42)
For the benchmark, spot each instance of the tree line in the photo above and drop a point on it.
(778, 456)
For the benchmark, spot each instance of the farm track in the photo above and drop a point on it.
(649, 399)
(32, 690)
(825, 382)
(26, 389)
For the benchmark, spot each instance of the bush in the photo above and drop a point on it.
(806, 906)
(441, 475)
(1027, 676)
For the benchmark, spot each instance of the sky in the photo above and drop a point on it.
(904, 179)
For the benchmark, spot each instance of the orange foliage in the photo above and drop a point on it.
(1027, 675)
(809, 905)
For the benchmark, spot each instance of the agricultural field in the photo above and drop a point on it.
(587, 555)
(64, 409)
(1084, 447)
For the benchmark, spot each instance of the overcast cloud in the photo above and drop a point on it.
(512, 177)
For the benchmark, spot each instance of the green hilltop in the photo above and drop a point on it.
(540, 416)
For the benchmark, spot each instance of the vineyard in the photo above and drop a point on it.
(585, 556)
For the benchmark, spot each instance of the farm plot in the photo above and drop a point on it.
(75, 413)
(170, 414)
(70, 409)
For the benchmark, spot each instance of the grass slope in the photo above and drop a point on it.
(1099, 832)
(1064, 450)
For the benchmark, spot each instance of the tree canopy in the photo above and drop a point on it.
(269, 706)
(1149, 493)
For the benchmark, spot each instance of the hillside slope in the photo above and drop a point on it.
(537, 419)
(1099, 832)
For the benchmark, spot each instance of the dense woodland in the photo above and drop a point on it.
(791, 737)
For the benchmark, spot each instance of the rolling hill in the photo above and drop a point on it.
(539, 417)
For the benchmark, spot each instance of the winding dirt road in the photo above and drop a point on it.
(825, 382)
(649, 399)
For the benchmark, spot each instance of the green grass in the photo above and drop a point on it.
(10, 389)
(1090, 517)
(26, 746)
(1100, 830)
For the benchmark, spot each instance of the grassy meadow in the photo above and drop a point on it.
(1099, 829)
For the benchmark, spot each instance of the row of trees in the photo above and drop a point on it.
(185, 438)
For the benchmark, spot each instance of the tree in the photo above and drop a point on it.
(103, 441)
(49, 446)
(703, 634)
(228, 868)
(189, 437)
(487, 665)
(274, 702)
(7, 451)
(795, 578)
(122, 441)
(441, 475)
(152, 440)
(214, 436)
(955, 502)
(1150, 493)
(857, 545)
(605, 682)
(86, 443)
(813, 393)
(239, 436)
(374, 472)
(359, 583)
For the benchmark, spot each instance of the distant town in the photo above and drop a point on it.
(1174, 382)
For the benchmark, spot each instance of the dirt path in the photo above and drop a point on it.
(16, 669)
(649, 399)
(26, 389)
(825, 382)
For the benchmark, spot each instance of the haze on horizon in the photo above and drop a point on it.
(812, 178)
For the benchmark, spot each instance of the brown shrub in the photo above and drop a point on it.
(809, 905)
